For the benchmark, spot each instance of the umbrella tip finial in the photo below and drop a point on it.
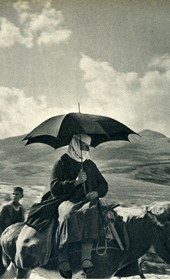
(79, 107)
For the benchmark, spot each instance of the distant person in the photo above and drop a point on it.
(12, 212)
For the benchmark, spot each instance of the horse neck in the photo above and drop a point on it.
(142, 231)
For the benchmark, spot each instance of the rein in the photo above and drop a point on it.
(104, 247)
(99, 248)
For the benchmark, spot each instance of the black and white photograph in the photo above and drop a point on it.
(84, 139)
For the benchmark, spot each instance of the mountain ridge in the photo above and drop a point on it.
(144, 157)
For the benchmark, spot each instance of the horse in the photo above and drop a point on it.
(150, 228)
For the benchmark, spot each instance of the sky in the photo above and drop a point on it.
(111, 56)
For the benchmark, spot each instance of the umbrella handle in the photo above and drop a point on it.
(83, 184)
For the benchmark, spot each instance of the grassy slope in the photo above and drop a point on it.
(22, 164)
(146, 158)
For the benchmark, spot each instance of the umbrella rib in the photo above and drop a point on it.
(103, 130)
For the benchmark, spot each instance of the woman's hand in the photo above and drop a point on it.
(81, 178)
(91, 195)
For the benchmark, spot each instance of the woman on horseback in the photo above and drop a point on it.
(79, 214)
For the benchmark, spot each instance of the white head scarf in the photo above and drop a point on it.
(74, 149)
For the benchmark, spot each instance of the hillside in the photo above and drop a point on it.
(22, 164)
(144, 158)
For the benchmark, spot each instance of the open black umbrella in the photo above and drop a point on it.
(59, 130)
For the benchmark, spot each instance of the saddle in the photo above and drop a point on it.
(113, 228)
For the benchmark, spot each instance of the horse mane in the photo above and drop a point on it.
(132, 213)
(159, 209)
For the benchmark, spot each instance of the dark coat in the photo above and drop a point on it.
(62, 187)
(80, 219)
(64, 173)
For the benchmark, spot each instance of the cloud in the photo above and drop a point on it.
(43, 27)
(10, 34)
(160, 62)
(55, 37)
(21, 6)
(139, 102)
(20, 114)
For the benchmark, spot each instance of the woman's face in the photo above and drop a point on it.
(84, 146)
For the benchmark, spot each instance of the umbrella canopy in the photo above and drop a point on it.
(59, 130)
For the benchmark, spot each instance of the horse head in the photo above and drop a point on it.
(33, 248)
(26, 246)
